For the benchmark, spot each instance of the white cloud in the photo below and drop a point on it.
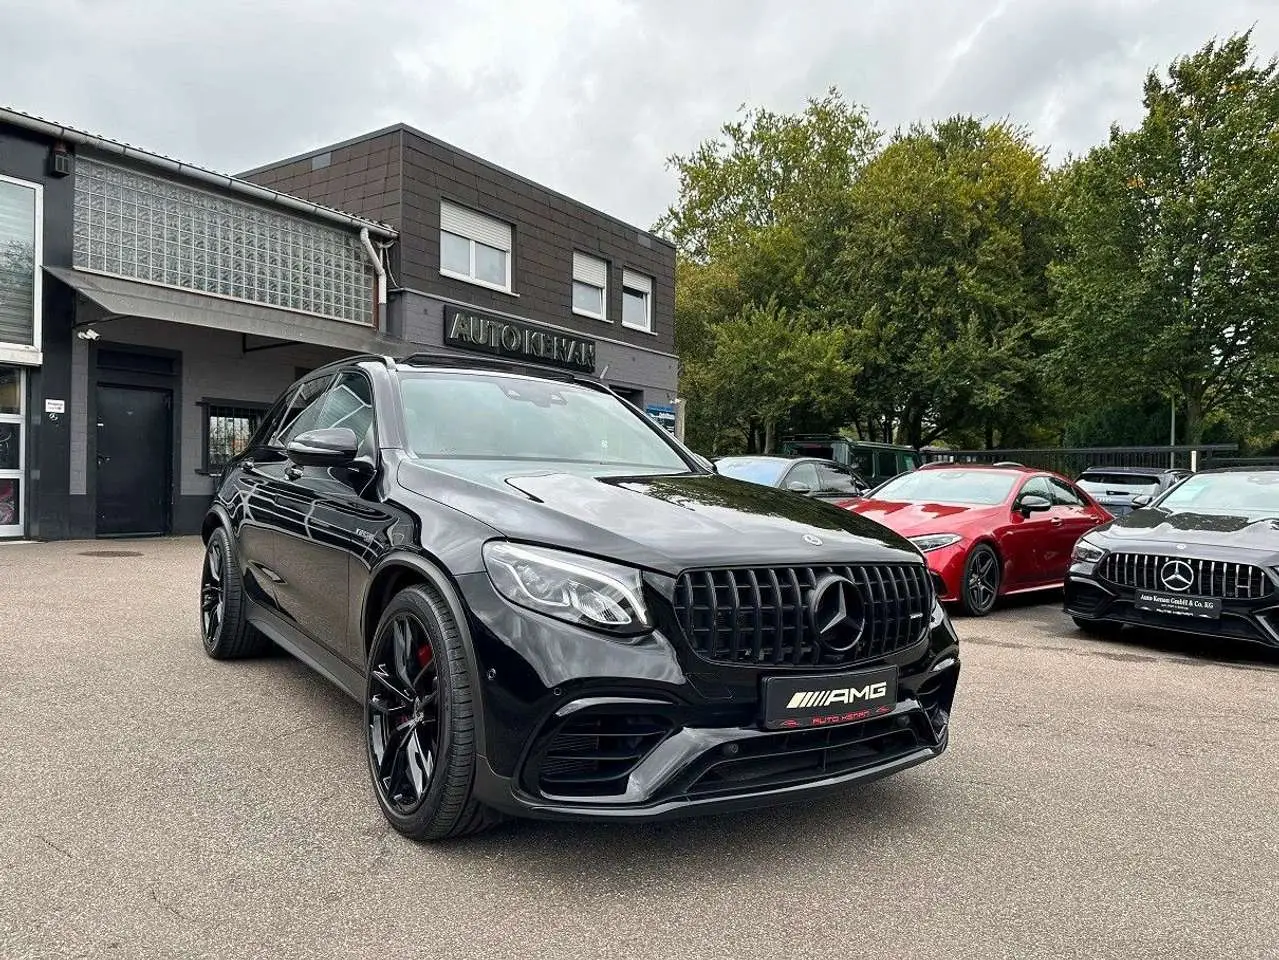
(587, 96)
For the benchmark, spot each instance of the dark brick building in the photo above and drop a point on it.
(478, 243)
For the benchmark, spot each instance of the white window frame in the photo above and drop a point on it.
(592, 272)
(21, 353)
(20, 474)
(640, 284)
(466, 223)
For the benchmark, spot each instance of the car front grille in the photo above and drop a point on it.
(801, 756)
(1209, 578)
(759, 616)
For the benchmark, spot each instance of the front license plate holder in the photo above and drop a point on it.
(1178, 605)
(800, 703)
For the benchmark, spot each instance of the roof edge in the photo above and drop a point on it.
(407, 128)
(233, 184)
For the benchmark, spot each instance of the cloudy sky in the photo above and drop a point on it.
(586, 96)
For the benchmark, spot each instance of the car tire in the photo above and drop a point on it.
(420, 720)
(224, 628)
(982, 576)
(1100, 629)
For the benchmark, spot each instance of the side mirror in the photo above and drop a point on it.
(1033, 503)
(799, 486)
(1141, 500)
(336, 447)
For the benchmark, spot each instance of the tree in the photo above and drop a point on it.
(1169, 283)
(755, 223)
(762, 364)
(941, 269)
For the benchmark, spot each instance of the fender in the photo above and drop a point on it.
(441, 581)
(218, 511)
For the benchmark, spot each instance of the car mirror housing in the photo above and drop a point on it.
(1033, 503)
(335, 447)
(799, 486)
(1141, 500)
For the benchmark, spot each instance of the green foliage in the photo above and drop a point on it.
(947, 286)
(941, 267)
(1170, 279)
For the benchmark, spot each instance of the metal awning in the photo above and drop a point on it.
(128, 298)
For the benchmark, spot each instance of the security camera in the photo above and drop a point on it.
(89, 334)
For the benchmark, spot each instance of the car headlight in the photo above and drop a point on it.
(1086, 552)
(568, 586)
(935, 541)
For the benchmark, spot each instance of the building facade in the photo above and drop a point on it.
(488, 260)
(151, 310)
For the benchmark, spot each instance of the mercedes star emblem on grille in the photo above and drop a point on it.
(815, 541)
(1177, 575)
(834, 611)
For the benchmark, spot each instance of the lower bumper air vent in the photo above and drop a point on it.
(594, 756)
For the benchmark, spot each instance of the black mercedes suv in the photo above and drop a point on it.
(1202, 558)
(550, 608)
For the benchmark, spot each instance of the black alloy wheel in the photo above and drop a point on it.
(226, 632)
(213, 592)
(404, 713)
(420, 718)
(981, 581)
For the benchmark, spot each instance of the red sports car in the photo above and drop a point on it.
(987, 531)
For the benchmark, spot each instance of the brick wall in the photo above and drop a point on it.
(401, 175)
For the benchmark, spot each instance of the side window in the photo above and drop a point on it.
(350, 404)
(804, 473)
(886, 462)
(302, 411)
(1038, 486)
(863, 461)
(1063, 495)
(834, 480)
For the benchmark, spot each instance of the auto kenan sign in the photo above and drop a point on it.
(521, 341)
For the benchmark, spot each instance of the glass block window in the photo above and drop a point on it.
(143, 227)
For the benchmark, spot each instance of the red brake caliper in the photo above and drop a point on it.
(424, 655)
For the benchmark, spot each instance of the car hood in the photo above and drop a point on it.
(1154, 526)
(666, 523)
(914, 519)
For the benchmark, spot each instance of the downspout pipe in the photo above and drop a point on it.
(376, 261)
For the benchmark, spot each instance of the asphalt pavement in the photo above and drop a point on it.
(1099, 800)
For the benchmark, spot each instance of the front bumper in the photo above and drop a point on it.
(1090, 597)
(576, 725)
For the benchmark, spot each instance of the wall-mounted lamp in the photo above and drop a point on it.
(60, 160)
(89, 334)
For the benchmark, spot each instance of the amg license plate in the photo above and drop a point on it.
(1179, 605)
(793, 703)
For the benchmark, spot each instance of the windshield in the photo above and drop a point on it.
(766, 472)
(1247, 494)
(492, 416)
(1126, 483)
(980, 487)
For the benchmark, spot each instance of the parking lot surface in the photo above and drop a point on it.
(1098, 800)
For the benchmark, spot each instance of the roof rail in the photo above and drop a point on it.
(440, 359)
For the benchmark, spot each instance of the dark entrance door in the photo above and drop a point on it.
(134, 433)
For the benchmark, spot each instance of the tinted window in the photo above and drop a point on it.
(350, 404)
(804, 473)
(303, 409)
(491, 416)
(981, 487)
(752, 469)
(834, 480)
(1063, 495)
(863, 461)
(1037, 486)
(1098, 482)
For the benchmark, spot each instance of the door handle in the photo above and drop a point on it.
(1055, 521)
